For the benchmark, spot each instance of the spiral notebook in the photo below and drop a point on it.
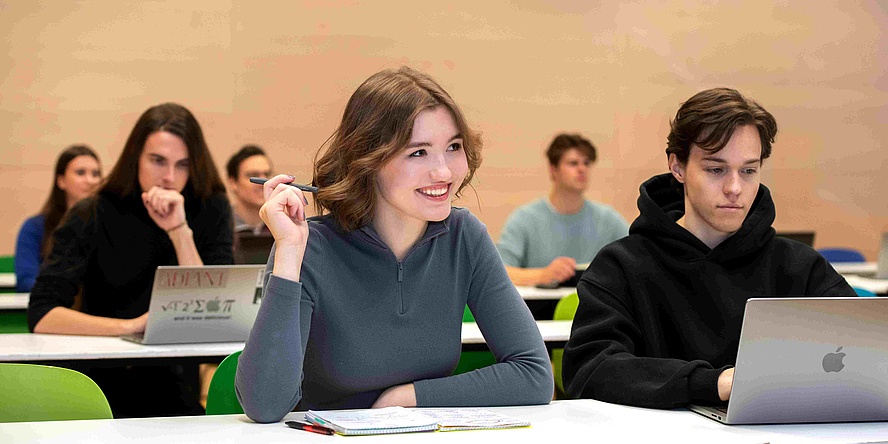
(403, 420)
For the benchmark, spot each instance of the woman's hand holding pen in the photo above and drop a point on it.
(284, 215)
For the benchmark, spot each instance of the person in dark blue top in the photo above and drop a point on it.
(77, 175)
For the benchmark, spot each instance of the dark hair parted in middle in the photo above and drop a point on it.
(376, 125)
(564, 142)
(240, 156)
(57, 203)
(203, 179)
(709, 118)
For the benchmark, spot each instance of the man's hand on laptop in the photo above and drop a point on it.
(725, 383)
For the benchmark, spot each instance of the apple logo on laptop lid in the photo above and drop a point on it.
(832, 362)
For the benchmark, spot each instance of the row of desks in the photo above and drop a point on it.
(19, 301)
(558, 422)
(44, 348)
(863, 269)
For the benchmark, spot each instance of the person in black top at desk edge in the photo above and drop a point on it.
(162, 204)
(660, 311)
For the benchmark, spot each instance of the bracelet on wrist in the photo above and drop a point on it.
(177, 227)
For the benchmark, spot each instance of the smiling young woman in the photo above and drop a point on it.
(363, 305)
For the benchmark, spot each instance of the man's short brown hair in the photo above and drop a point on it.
(564, 142)
(709, 118)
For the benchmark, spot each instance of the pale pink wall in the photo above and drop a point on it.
(279, 73)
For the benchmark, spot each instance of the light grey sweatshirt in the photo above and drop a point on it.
(360, 322)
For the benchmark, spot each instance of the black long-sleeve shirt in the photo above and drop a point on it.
(111, 247)
(660, 312)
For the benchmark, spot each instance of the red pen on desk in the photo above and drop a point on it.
(314, 428)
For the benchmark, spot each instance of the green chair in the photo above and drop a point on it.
(14, 321)
(221, 398)
(564, 311)
(11, 321)
(7, 265)
(43, 393)
(472, 360)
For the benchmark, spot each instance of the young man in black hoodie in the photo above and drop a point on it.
(660, 311)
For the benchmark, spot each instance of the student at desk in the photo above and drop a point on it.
(76, 176)
(249, 161)
(363, 306)
(660, 311)
(543, 241)
(162, 204)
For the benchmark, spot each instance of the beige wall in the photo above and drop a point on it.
(279, 74)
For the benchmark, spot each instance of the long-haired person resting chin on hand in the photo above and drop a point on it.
(163, 203)
(363, 305)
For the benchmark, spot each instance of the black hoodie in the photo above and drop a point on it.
(660, 312)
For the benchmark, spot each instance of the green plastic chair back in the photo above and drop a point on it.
(472, 360)
(467, 315)
(15, 321)
(43, 393)
(7, 264)
(564, 311)
(221, 398)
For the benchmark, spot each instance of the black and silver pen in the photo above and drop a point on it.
(306, 188)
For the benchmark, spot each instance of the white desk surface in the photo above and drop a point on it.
(533, 293)
(19, 301)
(877, 286)
(14, 301)
(855, 267)
(24, 347)
(7, 280)
(558, 422)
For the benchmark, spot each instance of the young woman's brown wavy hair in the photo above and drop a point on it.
(203, 179)
(376, 125)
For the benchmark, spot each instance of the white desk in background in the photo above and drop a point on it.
(532, 293)
(858, 268)
(7, 280)
(558, 422)
(14, 301)
(877, 286)
(44, 348)
(19, 301)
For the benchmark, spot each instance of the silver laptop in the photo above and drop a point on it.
(211, 303)
(809, 360)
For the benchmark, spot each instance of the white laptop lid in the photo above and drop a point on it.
(211, 303)
(812, 360)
